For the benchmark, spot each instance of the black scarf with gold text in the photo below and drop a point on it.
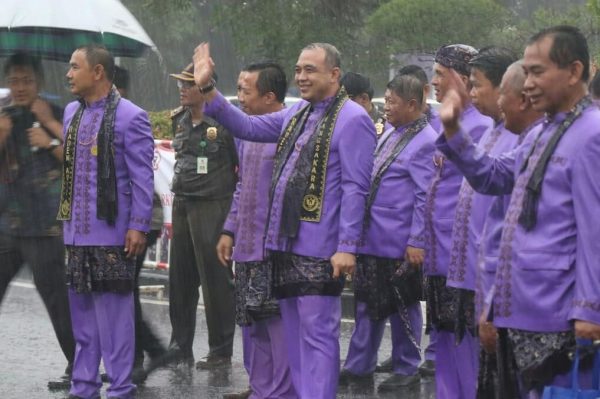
(106, 200)
(304, 192)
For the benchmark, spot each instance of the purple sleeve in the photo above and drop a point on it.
(421, 171)
(139, 151)
(230, 225)
(356, 147)
(486, 174)
(586, 197)
(259, 128)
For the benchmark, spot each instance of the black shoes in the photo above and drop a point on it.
(63, 383)
(427, 368)
(397, 381)
(214, 363)
(385, 367)
(348, 378)
(239, 395)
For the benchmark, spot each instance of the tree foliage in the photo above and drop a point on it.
(278, 29)
(423, 26)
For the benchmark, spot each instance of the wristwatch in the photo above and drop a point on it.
(208, 87)
(53, 144)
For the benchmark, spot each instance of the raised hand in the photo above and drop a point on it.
(203, 65)
(453, 103)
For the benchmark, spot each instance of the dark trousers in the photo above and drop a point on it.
(46, 258)
(145, 339)
(197, 226)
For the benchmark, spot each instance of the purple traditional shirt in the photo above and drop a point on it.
(471, 211)
(442, 197)
(396, 218)
(133, 152)
(549, 275)
(487, 258)
(347, 180)
(433, 117)
(247, 217)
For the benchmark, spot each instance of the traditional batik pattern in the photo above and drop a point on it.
(100, 269)
(296, 275)
(254, 299)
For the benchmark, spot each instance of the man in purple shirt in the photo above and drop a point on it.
(316, 205)
(442, 198)
(487, 69)
(393, 234)
(519, 118)
(546, 284)
(106, 206)
(428, 365)
(261, 90)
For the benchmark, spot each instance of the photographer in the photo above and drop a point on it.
(31, 154)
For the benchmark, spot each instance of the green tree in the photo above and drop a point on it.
(278, 29)
(586, 17)
(403, 26)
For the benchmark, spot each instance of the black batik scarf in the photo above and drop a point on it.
(409, 134)
(528, 217)
(106, 201)
(304, 191)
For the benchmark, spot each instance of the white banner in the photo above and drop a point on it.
(163, 164)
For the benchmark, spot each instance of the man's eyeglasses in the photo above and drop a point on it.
(184, 84)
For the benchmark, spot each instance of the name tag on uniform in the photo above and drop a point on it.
(202, 165)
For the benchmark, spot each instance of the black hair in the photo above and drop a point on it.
(493, 62)
(25, 60)
(121, 80)
(356, 84)
(271, 78)
(98, 54)
(407, 87)
(416, 71)
(568, 45)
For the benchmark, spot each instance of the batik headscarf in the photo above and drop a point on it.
(457, 57)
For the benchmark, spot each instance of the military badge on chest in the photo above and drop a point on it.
(211, 133)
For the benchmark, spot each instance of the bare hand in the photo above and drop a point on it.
(42, 111)
(135, 243)
(414, 256)
(453, 103)
(38, 137)
(585, 329)
(225, 249)
(343, 263)
(487, 334)
(203, 65)
(5, 127)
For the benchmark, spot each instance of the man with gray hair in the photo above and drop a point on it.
(393, 239)
(519, 118)
(317, 199)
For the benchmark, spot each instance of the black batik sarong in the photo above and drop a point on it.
(100, 269)
(540, 357)
(449, 309)
(372, 285)
(254, 299)
(297, 275)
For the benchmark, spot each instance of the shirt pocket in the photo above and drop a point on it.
(544, 260)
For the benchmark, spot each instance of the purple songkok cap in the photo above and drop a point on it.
(457, 57)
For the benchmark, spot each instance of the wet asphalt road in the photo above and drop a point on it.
(29, 356)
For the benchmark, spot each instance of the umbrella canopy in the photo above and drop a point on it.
(53, 29)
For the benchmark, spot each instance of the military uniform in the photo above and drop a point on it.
(378, 119)
(204, 182)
